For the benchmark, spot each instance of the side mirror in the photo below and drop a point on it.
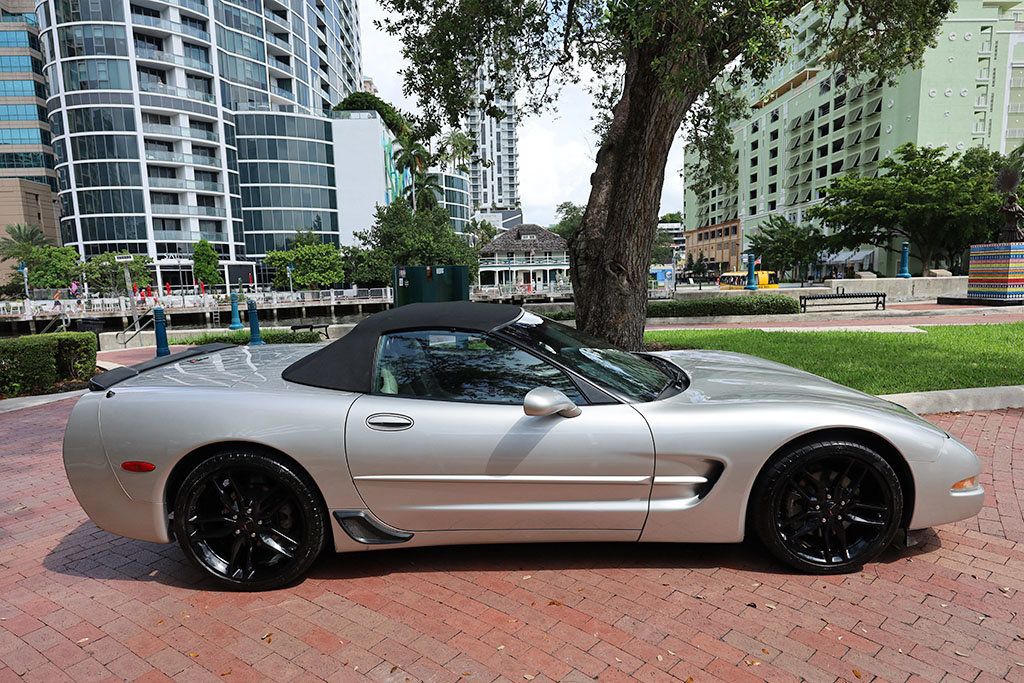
(544, 401)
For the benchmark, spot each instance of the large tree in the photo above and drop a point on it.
(52, 267)
(400, 237)
(784, 245)
(939, 202)
(106, 276)
(653, 65)
(206, 264)
(569, 218)
(313, 265)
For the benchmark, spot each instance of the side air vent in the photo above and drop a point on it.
(363, 528)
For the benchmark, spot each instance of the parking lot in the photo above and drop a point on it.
(77, 603)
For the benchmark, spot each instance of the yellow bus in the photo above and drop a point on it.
(766, 279)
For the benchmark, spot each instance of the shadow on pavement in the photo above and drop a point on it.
(93, 553)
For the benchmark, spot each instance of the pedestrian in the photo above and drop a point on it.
(57, 304)
(74, 287)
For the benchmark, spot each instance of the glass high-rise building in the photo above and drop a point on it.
(25, 150)
(494, 170)
(176, 120)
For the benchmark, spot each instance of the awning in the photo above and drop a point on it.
(849, 256)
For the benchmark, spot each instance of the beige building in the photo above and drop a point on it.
(27, 202)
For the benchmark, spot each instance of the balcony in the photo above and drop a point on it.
(282, 92)
(145, 53)
(191, 5)
(170, 26)
(277, 64)
(189, 210)
(180, 158)
(164, 89)
(276, 19)
(179, 132)
(183, 184)
(189, 236)
(560, 260)
(272, 39)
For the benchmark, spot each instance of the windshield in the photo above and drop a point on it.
(597, 360)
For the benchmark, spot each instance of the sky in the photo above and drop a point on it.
(556, 149)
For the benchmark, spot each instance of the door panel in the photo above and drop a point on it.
(450, 465)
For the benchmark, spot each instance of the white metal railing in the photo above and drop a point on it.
(525, 261)
(504, 291)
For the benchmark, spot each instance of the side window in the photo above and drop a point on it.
(462, 366)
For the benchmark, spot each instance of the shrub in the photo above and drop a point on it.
(751, 304)
(242, 337)
(28, 365)
(76, 354)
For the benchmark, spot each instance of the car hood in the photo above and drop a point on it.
(721, 376)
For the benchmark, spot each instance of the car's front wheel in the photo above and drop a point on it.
(827, 507)
(249, 521)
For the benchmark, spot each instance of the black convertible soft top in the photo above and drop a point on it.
(347, 364)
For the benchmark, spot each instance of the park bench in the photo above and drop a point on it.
(842, 298)
(321, 328)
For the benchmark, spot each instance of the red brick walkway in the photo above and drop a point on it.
(77, 603)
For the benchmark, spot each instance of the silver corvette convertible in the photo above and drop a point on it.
(473, 423)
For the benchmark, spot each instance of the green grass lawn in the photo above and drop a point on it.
(945, 357)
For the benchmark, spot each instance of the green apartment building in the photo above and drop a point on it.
(808, 124)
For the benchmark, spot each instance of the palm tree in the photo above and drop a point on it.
(411, 156)
(427, 187)
(21, 240)
(458, 147)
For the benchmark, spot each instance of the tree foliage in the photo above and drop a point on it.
(206, 264)
(20, 241)
(314, 265)
(787, 246)
(663, 250)
(400, 237)
(52, 267)
(367, 101)
(654, 66)
(481, 231)
(939, 202)
(106, 276)
(569, 218)
(671, 217)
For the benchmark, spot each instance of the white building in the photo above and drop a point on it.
(176, 120)
(528, 257)
(494, 171)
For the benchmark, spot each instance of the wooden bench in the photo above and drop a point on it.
(322, 329)
(843, 298)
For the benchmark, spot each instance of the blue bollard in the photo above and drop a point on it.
(254, 326)
(751, 272)
(160, 329)
(236, 322)
(904, 261)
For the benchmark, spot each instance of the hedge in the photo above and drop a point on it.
(242, 337)
(750, 304)
(36, 364)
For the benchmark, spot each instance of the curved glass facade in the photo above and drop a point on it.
(176, 120)
(455, 198)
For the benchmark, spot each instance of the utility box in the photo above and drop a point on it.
(430, 284)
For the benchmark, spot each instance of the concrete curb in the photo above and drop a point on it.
(10, 404)
(960, 400)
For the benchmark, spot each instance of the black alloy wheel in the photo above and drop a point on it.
(828, 507)
(249, 521)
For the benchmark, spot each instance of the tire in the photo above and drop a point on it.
(249, 521)
(859, 507)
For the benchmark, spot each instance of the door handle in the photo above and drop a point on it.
(388, 422)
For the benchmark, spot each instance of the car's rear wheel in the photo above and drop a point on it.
(827, 507)
(249, 521)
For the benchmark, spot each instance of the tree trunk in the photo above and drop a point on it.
(611, 250)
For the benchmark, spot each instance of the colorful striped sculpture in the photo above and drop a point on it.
(997, 271)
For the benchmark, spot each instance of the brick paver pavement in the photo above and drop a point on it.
(77, 603)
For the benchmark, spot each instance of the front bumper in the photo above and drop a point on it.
(935, 501)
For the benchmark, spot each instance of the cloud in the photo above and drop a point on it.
(556, 149)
